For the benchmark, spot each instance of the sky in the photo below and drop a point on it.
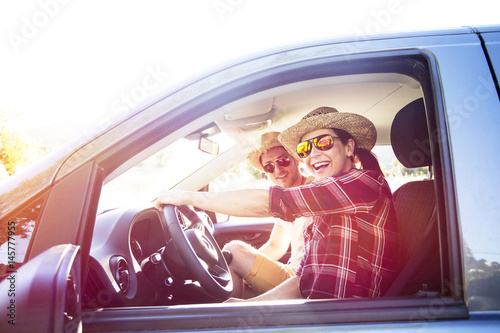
(68, 65)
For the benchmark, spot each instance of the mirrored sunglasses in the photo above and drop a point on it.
(283, 161)
(322, 142)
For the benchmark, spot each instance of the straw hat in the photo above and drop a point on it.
(267, 141)
(362, 130)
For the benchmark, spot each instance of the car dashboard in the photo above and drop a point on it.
(133, 261)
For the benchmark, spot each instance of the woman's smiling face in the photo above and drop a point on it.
(327, 163)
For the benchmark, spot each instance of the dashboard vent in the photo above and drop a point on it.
(121, 273)
(96, 293)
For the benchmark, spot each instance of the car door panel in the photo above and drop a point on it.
(253, 233)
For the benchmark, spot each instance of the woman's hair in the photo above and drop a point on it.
(367, 159)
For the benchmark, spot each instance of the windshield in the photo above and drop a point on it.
(141, 184)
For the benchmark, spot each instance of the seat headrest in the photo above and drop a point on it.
(410, 136)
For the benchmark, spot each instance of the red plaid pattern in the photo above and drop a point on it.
(352, 243)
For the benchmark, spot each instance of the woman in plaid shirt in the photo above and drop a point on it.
(352, 242)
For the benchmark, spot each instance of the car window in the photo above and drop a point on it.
(178, 163)
(15, 237)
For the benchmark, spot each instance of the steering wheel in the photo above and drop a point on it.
(199, 252)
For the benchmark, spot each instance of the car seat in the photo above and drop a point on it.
(415, 204)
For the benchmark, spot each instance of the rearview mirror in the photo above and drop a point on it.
(208, 146)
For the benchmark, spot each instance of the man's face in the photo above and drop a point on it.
(288, 176)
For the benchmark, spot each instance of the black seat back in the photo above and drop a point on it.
(415, 204)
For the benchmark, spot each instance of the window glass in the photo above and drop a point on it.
(142, 183)
(397, 174)
(15, 236)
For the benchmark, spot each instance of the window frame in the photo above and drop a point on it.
(425, 70)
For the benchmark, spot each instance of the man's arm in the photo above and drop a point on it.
(244, 203)
(278, 243)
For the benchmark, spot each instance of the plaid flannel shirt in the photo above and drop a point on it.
(352, 243)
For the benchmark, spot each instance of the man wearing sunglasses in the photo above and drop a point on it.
(260, 269)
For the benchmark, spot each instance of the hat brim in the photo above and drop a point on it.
(254, 156)
(362, 130)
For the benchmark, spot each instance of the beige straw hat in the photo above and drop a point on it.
(268, 140)
(362, 130)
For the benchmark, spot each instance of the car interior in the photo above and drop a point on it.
(143, 257)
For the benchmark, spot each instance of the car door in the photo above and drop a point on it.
(432, 60)
(43, 286)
